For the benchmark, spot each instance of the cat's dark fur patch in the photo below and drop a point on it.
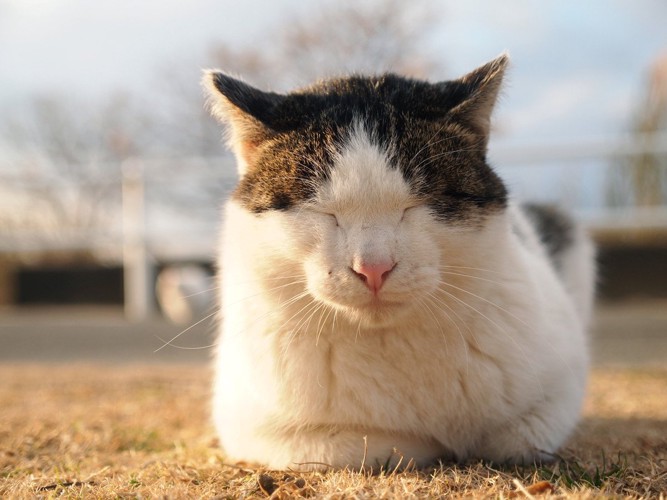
(554, 227)
(440, 151)
(287, 170)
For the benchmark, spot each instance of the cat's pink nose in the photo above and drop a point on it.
(374, 275)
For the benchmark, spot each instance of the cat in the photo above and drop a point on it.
(384, 302)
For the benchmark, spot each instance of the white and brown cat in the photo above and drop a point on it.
(384, 301)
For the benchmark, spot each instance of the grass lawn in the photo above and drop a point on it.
(142, 431)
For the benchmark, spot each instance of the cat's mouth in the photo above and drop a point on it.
(378, 303)
(378, 311)
(370, 307)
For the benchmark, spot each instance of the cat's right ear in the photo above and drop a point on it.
(247, 111)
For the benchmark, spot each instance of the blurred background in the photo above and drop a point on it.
(112, 174)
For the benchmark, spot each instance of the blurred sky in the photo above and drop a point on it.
(578, 67)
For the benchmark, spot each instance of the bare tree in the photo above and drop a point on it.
(67, 161)
(642, 180)
(340, 38)
(77, 148)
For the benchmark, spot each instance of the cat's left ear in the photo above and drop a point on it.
(480, 88)
(248, 112)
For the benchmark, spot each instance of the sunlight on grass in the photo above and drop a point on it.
(85, 431)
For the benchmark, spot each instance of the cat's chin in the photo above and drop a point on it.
(377, 314)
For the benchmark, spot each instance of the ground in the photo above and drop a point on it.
(132, 428)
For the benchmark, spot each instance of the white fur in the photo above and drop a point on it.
(474, 350)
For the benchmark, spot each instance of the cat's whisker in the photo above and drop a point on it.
(259, 293)
(208, 290)
(473, 308)
(311, 307)
(435, 157)
(430, 159)
(292, 333)
(185, 348)
(422, 301)
(448, 307)
(356, 336)
(329, 309)
(451, 309)
(487, 301)
(281, 277)
(288, 302)
(293, 300)
(507, 334)
(430, 143)
(333, 323)
(453, 266)
(306, 325)
(297, 277)
(473, 277)
(169, 343)
(437, 304)
(278, 309)
(552, 348)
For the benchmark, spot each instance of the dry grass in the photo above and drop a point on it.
(100, 432)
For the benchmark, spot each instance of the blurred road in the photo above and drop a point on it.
(630, 334)
(625, 334)
(67, 334)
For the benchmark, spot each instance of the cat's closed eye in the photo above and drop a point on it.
(333, 218)
(326, 215)
(408, 210)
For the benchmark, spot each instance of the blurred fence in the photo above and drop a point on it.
(168, 210)
(595, 177)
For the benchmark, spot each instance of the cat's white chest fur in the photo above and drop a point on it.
(382, 302)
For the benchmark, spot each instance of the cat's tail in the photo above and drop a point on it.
(571, 251)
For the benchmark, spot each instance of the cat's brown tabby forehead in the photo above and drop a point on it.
(436, 134)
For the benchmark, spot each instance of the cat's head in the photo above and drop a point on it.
(377, 183)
